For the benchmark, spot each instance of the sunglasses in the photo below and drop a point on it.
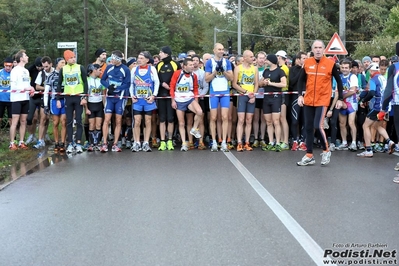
(8, 65)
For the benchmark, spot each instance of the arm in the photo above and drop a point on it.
(234, 83)
(104, 78)
(84, 79)
(125, 86)
(59, 85)
(335, 73)
(256, 83)
(38, 82)
(156, 80)
(301, 82)
(173, 84)
(131, 88)
(195, 89)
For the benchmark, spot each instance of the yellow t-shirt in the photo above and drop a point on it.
(246, 78)
(286, 71)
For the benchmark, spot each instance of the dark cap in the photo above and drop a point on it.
(38, 61)
(166, 50)
(99, 52)
(355, 64)
(272, 58)
(92, 67)
(58, 60)
(8, 60)
(130, 61)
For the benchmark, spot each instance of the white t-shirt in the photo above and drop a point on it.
(203, 86)
(19, 81)
(39, 79)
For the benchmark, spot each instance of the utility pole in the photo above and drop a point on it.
(342, 19)
(239, 27)
(301, 26)
(86, 30)
(214, 35)
(126, 37)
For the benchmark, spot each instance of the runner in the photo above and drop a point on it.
(116, 79)
(143, 89)
(5, 103)
(73, 79)
(95, 106)
(19, 97)
(218, 72)
(246, 79)
(184, 93)
(316, 78)
(58, 114)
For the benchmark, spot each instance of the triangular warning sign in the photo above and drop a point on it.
(335, 46)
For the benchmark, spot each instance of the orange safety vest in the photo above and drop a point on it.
(319, 81)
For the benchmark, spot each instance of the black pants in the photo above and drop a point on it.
(314, 120)
(34, 103)
(297, 116)
(72, 105)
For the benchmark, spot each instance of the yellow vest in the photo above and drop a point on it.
(72, 79)
(246, 78)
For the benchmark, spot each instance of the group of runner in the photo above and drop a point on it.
(235, 98)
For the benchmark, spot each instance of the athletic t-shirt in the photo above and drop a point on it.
(19, 81)
(246, 78)
(348, 82)
(220, 84)
(95, 90)
(274, 76)
(4, 85)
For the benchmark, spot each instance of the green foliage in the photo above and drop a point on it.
(392, 24)
(381, 45)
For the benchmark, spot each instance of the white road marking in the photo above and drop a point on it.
(303, 238)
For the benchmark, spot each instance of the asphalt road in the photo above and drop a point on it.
(201, 208)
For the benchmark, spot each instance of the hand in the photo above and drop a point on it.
(134, 99)
(88, 112)
(58, 104)
(300, 100)
(174, 104)
(329, 113)
(31, 91)
(381, 115)
(165, 85)
(219, 66)
(111, 89)
(83, 102)
(150, 99)
(251, 100)
(340, 104)
(251, 95)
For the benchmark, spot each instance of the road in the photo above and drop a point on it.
(201, 208)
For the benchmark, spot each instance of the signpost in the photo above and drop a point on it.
(69, 45)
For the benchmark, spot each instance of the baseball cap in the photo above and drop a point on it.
(374, 66)
(281, 53)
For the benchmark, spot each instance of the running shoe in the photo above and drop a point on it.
(262, 144)
(40, 144)
(79, 148)
(256, 144)
(136, 147)
(284, 146)
(248, 147)
(379, 147)
(31, 139)
(277, 147)
(230, 146)
(123, 141)
(86, 145)
(70, 148)
(201, 146)
(391, 147)
(195, 132)
(325, 157)
(128, 144)
(184, 147)
(396, 167)
(13, 147)
(119, 144)
(360, 145)
(23, 146)
(396, 180)
(162, 147)
(90, 148)
(154, 143)
(116, 148)
(342, 147)
(224, 147)
(365, 154)
(56, 147)
(306, 161)
(146, 147)
(191, 146)
(62, 147)
(332, 147)
(104, 148)
(214, 147)
(295, 146)
(302, 146)
(169, 145)
(353, 147)
(240, 148)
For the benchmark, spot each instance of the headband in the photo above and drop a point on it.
(115, 57)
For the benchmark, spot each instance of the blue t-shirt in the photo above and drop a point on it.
(119, 76)
(220, 84)
(4, 85)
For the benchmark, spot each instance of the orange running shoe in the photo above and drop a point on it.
(13, 147)
(247, 147)
(239, 147)
(23, 146)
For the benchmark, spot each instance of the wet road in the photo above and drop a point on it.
(201, 208)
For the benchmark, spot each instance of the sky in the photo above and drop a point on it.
(218, 4)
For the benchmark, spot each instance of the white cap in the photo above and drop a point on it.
(282, 53)
(374, 66)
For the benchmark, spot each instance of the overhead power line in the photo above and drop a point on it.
(260, 6)
(120, 23)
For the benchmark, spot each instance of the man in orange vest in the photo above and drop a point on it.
(316, 79)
